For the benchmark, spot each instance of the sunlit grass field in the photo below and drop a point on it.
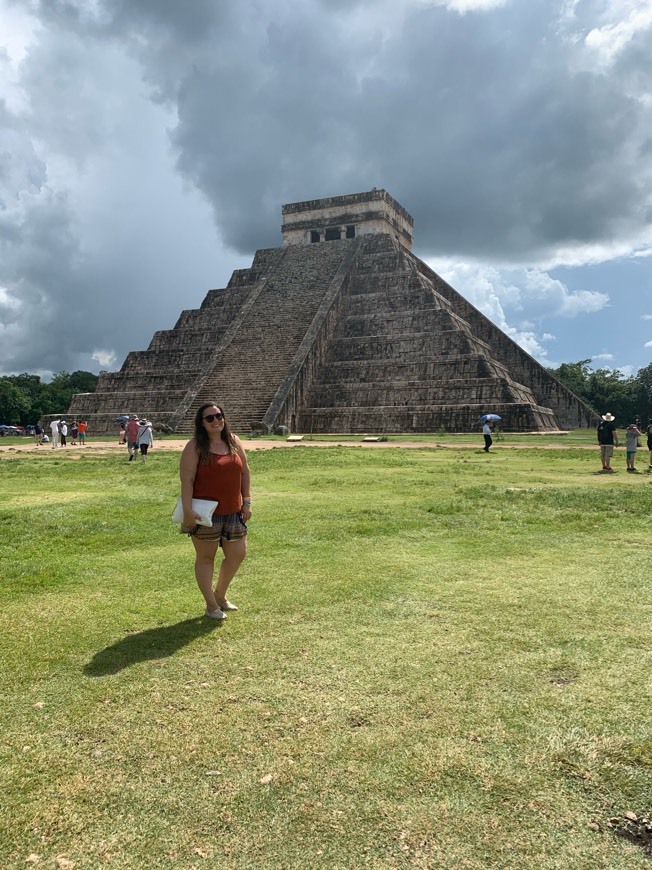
(441, 660)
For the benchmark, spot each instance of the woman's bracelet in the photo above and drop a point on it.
(246, 501)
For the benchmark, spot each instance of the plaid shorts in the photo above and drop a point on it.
(226, 527)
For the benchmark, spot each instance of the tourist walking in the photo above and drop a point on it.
(82, 426)
(648, 432)
(607, 439)
(63, 432)
(145, 438)
(132, 436)
(54, 428)
(632, 434)
(214, 466)
(487, 428)
(74, 434)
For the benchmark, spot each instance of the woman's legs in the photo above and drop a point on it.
(234, 554)
(204, 565)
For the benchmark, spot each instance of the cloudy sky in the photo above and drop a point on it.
(146, 148)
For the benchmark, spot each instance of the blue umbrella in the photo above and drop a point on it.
(121, 418)
(488, 417)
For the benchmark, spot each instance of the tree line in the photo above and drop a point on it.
(627, 398)
(24, 399)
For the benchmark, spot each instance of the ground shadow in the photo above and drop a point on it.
(154, 643)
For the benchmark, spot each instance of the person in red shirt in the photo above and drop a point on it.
(132, 436)
(82, 426)
(214, 466)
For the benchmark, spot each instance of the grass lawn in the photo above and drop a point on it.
(441, 660)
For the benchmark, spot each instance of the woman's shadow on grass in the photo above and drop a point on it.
(154, 643)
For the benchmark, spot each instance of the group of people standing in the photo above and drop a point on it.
(608, 440)
(60, 433)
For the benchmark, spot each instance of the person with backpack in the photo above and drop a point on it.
(607, 439)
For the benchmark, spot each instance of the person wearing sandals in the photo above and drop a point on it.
(214, 466)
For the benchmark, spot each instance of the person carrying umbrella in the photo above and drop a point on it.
(488, 422)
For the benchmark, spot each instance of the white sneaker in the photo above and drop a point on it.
(228, 605)
(215, 614)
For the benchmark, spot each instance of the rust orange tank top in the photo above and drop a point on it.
(221, 479)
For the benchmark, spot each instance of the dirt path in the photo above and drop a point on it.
(99, 448)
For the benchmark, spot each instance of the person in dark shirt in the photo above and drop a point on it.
(607, 439)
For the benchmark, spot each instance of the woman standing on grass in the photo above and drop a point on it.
(214, 466)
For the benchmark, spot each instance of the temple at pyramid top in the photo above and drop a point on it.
(346, 217)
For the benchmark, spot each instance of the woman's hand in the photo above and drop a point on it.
(246, 512)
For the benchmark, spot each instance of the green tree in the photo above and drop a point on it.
(64, 385)
(13, 402)
(644, 392)
(575, 376)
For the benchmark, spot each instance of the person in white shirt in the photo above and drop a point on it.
(145, 438)
(64, 432)
(54, 428)
(486, 431)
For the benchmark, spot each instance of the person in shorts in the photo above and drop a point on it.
(214, 466)
(607, 439)
(82, 426)
(132, 436)
(632, 434)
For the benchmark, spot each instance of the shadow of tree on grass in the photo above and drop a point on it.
(154, 643)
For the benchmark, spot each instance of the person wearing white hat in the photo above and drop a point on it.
(145, 438)
(607, 439)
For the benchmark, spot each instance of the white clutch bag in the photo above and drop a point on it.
(200, 506)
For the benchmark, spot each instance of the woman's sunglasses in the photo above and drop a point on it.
(210, 417)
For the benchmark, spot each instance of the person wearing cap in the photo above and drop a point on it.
(607, 439)
(63, 432)
(132, 436)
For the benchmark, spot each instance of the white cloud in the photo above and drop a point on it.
(533, 292)
(646, 317)
(605, 356)
(105, 358)
(628, 18)
(648, 344)
(471, 5)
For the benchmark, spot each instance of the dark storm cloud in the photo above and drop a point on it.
(508, 133)
(492, 128)
(91, 258)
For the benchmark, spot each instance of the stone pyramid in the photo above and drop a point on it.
(342, 329)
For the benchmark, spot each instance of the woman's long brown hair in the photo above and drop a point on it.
(202, 440)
